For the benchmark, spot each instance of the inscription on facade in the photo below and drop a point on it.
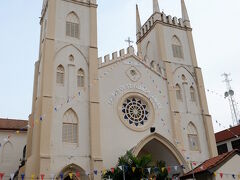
(127, 87)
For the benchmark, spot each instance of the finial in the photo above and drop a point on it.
(138, 21)
(155, 6)
(185, 17)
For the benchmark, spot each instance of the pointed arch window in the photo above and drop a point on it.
(177, 47)
(80, 78)
(192, 94)
(70, 127)
(60, 75)
(72, 25)
(7, 152)
(178, 92)
(193, 137)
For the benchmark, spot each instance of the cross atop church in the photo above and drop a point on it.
(129, 41)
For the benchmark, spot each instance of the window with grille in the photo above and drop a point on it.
(177, 48)
(72, 25)
(60, 75)
(193, 142)
(70, 127)
(192, 93)
(80, 78)
(193, 138)
(69, 133)
(178, 92)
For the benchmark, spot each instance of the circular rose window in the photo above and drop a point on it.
(135, 112)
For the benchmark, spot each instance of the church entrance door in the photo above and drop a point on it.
(162, 150)
(73, 172)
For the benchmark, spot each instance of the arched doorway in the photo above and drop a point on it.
(73, 172)
(162, 149)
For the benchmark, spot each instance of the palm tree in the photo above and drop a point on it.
(136, 168)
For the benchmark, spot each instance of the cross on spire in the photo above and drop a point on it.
(129, 41)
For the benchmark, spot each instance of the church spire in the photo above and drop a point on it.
(155, 6)
(185, 17)
(138, 22)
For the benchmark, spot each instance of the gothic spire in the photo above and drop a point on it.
(185, 17)
(138, 21)
(155, 6)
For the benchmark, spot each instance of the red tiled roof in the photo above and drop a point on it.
(13, 124)
(227, 134)
(211, 163)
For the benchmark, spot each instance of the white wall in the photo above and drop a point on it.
(230, 167)
(9, 164)
(114, 84)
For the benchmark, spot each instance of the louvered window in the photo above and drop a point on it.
(72, 29)
(72, 25)
(177, 51)
(177, 47)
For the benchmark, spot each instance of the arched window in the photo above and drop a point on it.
(60, 75)
(193, 137)
(177, 47)
(80, 78)
(7, 152)
(153, 64)
(71, 58)
(70, 127)
(72, 25)
(178, 92)
(192, 94)
(184, 77)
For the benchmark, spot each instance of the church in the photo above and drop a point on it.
(87, 111)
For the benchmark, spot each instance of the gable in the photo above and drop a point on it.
(131, 59)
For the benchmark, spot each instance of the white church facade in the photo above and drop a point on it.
(88, 111)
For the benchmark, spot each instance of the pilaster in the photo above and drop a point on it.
(175, 115)
(207, 119)
(95, 144)
(43, 105)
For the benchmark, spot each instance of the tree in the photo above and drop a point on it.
(136, 168)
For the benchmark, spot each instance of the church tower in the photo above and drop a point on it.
(166, 41)
(64, 136)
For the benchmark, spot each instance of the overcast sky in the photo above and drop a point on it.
(216, 32)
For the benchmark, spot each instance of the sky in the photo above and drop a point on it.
(216, 33)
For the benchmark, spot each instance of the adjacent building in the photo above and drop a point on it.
(224, 166)
(13, 139)
(228, 140)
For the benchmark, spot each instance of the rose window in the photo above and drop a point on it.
(135, 111)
